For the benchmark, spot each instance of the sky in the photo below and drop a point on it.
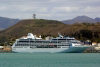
(49, 9)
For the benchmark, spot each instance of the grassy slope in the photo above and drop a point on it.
(44, 27)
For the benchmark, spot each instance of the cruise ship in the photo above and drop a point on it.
(61, 44)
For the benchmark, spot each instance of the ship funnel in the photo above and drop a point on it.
(30, 35)
(60, 35)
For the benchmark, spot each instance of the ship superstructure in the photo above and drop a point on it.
(31, 44)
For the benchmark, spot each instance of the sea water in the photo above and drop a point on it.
(49, 59)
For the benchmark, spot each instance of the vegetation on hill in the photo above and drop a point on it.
(82, 31)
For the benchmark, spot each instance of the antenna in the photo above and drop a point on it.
(34, 16)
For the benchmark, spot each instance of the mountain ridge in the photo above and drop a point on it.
(7, 22)
(81, 19)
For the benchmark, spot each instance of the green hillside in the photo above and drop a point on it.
(82, 31)
(44, 27)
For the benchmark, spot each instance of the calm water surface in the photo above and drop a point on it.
(50, 60)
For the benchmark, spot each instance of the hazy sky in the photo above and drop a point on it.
(49, 9)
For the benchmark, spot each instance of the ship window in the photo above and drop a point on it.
(61, 39)
(24, 41)
(54, 39)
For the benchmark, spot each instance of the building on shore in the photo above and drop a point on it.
(5, 48)
(1, 47)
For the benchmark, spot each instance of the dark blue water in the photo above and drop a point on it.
(50, 60)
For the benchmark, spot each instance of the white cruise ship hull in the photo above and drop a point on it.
(50, 50)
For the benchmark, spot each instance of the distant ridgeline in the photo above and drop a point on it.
(7, 22)
(81, 31)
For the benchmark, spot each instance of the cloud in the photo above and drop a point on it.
(2, 8)
(65, 9)
(49, 9)
(92, 9)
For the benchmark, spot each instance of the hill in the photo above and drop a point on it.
(40, 26)
(7, 22)
(97, 19)
(82, 19)
(81, 31)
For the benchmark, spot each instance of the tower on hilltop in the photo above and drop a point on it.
(34, 16)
